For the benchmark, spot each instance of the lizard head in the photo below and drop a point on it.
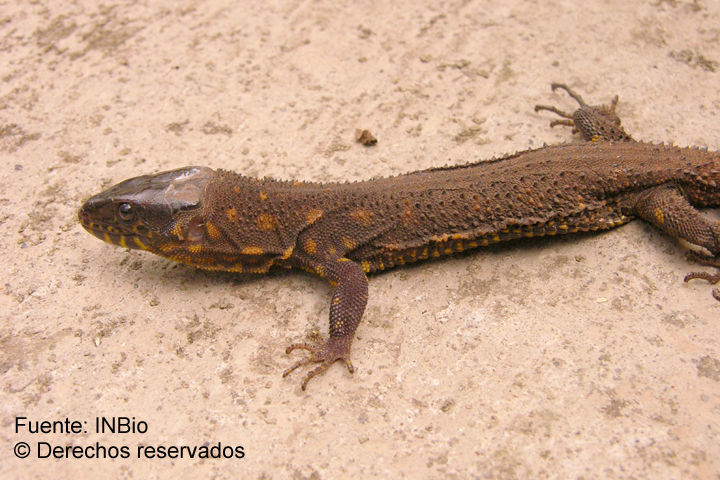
(187, 215)
(161, 213)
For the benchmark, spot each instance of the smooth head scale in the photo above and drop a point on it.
(151, 212)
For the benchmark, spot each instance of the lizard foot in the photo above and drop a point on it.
(327, 353)
(713, 278)
(703, 259)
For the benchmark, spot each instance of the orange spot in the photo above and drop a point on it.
(178, 232)
(266, 222)
(252, 251)
(408, 210)
(310, 246)
(141, 245)
(362, 216)
(313, 215)
(236, 189)
(659, 216)
(262, 268)
(212, 231)
(232, 214)
(263, 195)
(349, 243)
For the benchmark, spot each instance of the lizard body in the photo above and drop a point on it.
(220, 220)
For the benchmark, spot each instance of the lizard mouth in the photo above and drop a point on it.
(107, 233)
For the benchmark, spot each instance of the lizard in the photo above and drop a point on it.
(220, 220)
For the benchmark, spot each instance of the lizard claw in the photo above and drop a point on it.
(336, 348)
(713, 278)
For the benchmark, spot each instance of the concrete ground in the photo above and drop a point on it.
(583, 357)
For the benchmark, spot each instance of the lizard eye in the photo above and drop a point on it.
(125, 212)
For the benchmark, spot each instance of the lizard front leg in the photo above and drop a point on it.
(346, 310)
(667, 208)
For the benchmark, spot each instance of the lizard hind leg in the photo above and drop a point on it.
(594, 122)
(665, 207)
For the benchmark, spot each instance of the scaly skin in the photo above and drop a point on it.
(219, 220)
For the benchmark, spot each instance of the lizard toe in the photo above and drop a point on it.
(713, 278)
(301, 346)
(710, 261)
(710, 277)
